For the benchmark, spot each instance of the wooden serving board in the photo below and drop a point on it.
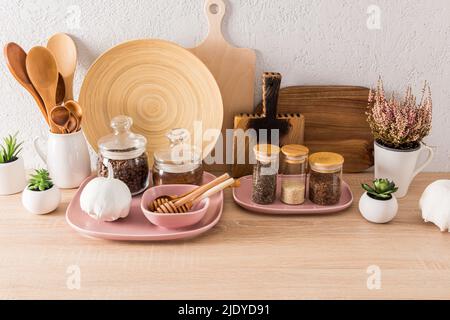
(290, 125)
(233, 68)
(335, 120)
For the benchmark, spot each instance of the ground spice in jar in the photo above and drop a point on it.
(325, 180)
(292, 192)
(133, 172)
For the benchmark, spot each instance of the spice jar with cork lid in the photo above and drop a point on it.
(325, 180)
(293, 174)
(180, 163)
(265, 173)
(126, 152)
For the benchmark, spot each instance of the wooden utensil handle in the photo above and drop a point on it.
(271, 88)
(215, 11)
(200, 190)
(216, 189)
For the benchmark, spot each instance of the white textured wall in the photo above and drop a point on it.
(309, 41)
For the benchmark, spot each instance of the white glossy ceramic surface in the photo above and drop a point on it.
(12, 177)
(378, 211)
(67, 158)
(399, 166)
(41, 202)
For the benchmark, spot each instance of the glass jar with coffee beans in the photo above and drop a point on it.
(126, 151)
(265, 173)
(325, 181)
(293, 171)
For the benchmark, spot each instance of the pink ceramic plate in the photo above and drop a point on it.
(243, 197)
(136, 227)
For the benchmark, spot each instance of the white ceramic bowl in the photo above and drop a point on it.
(41, 202)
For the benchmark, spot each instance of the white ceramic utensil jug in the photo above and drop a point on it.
(67, 158)
(400, 166)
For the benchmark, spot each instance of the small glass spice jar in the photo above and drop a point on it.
(325, 180)
(294, 168)
(265, 173)
(126, 151)
(181, 163)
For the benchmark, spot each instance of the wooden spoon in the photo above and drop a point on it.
(16, 62)
(65, 53)
(75, 109)
(60, 116)
(60, 90)
(43, 73)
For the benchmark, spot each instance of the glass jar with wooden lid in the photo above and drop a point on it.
(265, 173)
(325, 181)
(293, 174)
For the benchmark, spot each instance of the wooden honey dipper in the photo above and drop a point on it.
(166, 198)
(186, 203)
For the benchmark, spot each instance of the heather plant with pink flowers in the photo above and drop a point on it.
(399, 124)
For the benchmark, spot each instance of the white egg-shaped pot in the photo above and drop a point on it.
(41, 202)
(378, 211)
(12, 177)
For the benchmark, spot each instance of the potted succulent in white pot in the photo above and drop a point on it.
(378, 204)
(399, 128)
(12, 169)
(41, 196)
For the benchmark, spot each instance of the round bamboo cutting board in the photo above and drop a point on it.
(160, 85)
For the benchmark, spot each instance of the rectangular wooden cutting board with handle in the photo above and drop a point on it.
(335, 120)
(233, 68)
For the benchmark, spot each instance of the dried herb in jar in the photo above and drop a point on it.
(325, 188)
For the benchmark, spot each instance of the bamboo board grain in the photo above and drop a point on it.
(160, 85)
(246, 256)
(232, 67)
(335, 120)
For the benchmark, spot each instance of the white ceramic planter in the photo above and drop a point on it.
(41, 202)
(12, 177)
(67, 158)
(399, 166)
(378, 211)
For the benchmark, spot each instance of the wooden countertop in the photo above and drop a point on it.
(246, 256)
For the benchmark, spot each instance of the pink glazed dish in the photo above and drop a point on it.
(173, 220)
(243, 197)
(136, 227)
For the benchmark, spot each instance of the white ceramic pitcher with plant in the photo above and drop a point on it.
(67, 158)
(399, 128)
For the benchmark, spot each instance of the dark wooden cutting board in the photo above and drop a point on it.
(335, 120)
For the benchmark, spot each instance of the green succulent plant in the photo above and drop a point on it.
(382, 189)
(40, 181)
(10, 149)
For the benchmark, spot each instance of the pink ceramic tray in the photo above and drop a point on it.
(136, 227)
(243, 197)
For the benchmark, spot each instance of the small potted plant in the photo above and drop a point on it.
(12, 169)
(399, 126)
(378, 204)
(41, 196)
